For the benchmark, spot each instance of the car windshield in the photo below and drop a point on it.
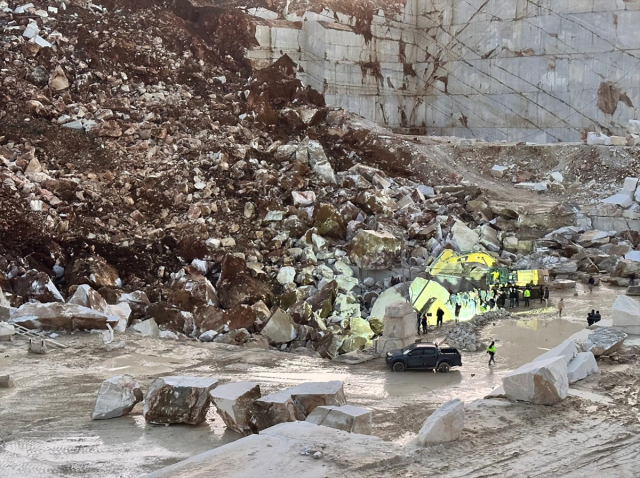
(408, 349)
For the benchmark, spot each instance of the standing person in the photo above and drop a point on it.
(424, 324)
(541, 294)
(591, 317)
(632, 279)
(512, 298)
(527, 295)
(491, 350)
(457, 312)
(560, 307)
(597, 317)
(546, 296)
(440, 316)
(418, 319)
(592, 282)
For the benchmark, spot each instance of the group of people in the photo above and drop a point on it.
(499, 296)
(593, 317)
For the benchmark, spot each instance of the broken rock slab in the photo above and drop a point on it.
(147, 327)
(87, 297)
(280, 329)
(567, 350)
(444, 425)
(7, 381)
(297, 402)
(117, 397)
(542, 382)
(54, 315)
(463, 238)
(178, 399)
(276, 453)
(622, 200)
(234, 403)
(583, 365)
(625, 312)
(7, 332)
(604, 341)
(347, 418)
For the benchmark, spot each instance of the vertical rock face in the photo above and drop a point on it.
(234, 403)
(347, 418)
(443, 425)
(117, 397)
(542, 382)
(178, 400)
(375, 250)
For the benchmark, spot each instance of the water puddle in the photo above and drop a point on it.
(520, 341)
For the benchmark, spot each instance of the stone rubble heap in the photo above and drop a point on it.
(465, 335)
(632, 139)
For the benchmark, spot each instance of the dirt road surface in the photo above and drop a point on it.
(46, 431)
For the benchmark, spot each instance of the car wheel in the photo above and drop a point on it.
(398, 367)
(444, 367)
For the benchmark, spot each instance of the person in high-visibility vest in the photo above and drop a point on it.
(526, 294)
(491, 350)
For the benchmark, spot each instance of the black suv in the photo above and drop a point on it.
(423, 356)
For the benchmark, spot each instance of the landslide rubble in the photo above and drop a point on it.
(142, 160)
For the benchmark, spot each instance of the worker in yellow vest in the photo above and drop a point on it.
(527, 295)
(491, 350)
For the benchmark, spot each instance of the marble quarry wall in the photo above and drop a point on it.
(518, 70)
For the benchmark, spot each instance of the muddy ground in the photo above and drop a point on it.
(45, 429)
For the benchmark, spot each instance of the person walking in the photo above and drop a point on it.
(592, 282)
(491, 350)
(439, 317)
(560, 307)
(546, 296)
(527, 295)
(457, 312)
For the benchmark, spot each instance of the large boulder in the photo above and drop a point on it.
(593, 238)
(297, 402)
(36, 286)
(542, 382)
(170, 316)
(54, 315)
(567, 350)
(443, 425)
(117, 397)
(604, 341)
(178, 400)
(626, 268)
(236, 286)
(93, 270)
(329, 221)
(347, 418)
(463, 238)
(280, 329)
(234, 403)
(373, 250)
(87, 297)
(583, 365)
(626, 314)
(192, 290)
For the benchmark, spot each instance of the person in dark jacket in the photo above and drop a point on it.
(541, 294)
(457, 312)
(592, 282)
(512, 298)
(546, 296)
(424, 324)
(439, 316)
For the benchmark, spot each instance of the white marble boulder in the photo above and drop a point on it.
(542, 382)
(443, 425)
(117, 397)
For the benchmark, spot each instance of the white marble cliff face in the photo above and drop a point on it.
(496, 69)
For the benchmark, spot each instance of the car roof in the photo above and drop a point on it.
(426, 344)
